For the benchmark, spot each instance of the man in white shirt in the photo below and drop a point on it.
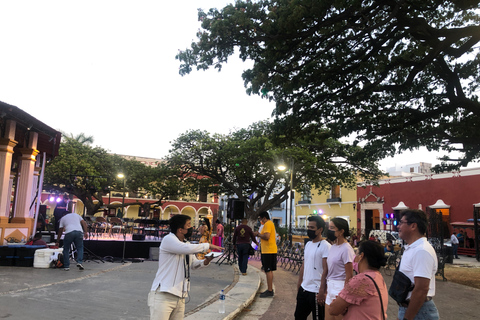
(75, 229)
(172, 281)
(310, 275)
(455, 243)
(419, 263)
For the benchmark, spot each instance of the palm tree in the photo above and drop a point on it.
(81, 137)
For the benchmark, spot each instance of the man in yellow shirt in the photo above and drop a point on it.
(269, 251)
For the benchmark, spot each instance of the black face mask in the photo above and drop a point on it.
(189, 233)
(311, 234)
(331, 235)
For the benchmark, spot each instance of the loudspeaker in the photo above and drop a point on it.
(235, 209)
(138, 237)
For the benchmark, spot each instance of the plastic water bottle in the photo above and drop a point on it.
(221, 308)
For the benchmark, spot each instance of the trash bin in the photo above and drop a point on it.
(448, 253)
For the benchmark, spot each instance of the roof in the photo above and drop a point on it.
(462, 224)
(48, 138)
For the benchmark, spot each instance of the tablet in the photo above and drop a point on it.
(214, 254)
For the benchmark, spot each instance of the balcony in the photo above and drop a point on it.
(304, 202)
(334, 200)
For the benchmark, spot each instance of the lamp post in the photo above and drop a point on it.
(122, 176)
(282, 167)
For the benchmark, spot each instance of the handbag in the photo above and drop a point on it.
(400, 287)
(251, 251)
(380, 295)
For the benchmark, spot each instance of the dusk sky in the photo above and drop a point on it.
(108, 69)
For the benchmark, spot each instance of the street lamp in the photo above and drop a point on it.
(283, 167)
(122, 176)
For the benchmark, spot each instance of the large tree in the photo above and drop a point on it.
(399, 74)
(245, 163)
(91, 172)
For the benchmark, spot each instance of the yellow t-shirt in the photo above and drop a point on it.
(270, 245)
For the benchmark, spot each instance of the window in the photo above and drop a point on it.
(335, 193)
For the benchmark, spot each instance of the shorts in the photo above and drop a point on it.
(333, 289)
(269, 262)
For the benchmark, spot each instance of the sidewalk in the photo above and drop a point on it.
(453, 300)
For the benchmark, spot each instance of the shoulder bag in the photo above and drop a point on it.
(380, 295)
(400, 287)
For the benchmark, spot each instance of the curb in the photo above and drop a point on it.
(236, 299)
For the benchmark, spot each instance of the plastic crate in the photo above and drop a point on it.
(23, 262)
(25, 255)
(7, 256)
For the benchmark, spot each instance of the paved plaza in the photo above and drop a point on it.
(119, 291)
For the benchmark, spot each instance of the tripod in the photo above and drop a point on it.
(227, 254)
(87, 254)
(229, 248)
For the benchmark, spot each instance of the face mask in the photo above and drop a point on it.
(311, 234)
(331, 235)
(189, 233)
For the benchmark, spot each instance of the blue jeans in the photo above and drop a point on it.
(455, 250)
(427, 312)
(75, 237)
(242, 250)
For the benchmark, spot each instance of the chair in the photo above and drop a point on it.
(101, 226)
(138, 228)
(151, 228)
(117, 225)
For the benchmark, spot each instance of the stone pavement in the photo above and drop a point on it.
(103, 291)
(119, 291)
(453, 300)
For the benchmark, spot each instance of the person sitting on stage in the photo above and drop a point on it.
(172, 281)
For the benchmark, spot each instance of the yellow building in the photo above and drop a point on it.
(338, 202)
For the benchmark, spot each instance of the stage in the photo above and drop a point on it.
(112, 246)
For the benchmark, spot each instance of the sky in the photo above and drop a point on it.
(108, 69)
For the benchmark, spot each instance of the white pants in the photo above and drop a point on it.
(333, 289)
(165, 306)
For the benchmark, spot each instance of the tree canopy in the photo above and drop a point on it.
(91, 172)
(398, 74)
(244, 163)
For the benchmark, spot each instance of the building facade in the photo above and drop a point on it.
(25, 145)
(453, 194)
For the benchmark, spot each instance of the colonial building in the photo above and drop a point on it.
(337, 202)
(453, 194)
(26, 144)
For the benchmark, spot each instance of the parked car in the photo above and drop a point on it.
(385, 235)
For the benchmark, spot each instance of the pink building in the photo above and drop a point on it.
(454, 194)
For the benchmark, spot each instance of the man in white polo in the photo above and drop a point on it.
(419, 263)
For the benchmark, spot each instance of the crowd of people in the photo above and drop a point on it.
(337, 279)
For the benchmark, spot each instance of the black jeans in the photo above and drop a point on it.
(306, 304)
(242, 250)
